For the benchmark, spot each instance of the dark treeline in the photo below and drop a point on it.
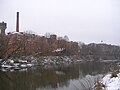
(99, 51)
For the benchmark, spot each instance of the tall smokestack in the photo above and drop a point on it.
(17, 22)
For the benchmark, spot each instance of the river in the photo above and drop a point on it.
(79, 76)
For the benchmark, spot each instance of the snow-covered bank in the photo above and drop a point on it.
(30, 61)
(57, 60)
(111, 82)
(13, 65)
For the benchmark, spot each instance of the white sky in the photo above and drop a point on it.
(82, 20)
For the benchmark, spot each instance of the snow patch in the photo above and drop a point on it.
(58, 50)
(111, 83)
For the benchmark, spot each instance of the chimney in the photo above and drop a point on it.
(17, 22)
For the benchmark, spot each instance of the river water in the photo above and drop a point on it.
(81, 76)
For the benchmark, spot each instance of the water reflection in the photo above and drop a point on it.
(72, 77)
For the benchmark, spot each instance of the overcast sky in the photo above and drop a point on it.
(82, 20)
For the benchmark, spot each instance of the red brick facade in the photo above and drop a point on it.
(27, 44)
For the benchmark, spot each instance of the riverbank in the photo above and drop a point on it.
(110, 81)
(14, 64)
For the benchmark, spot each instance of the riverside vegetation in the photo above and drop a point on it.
(52, 49)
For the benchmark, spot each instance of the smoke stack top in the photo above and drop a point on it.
(17, 22)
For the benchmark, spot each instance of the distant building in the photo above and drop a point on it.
(3, 26)
(53, 42)
(53, 38)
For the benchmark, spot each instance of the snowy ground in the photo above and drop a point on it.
(45, 61)
(111, 83)
(19, 65)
